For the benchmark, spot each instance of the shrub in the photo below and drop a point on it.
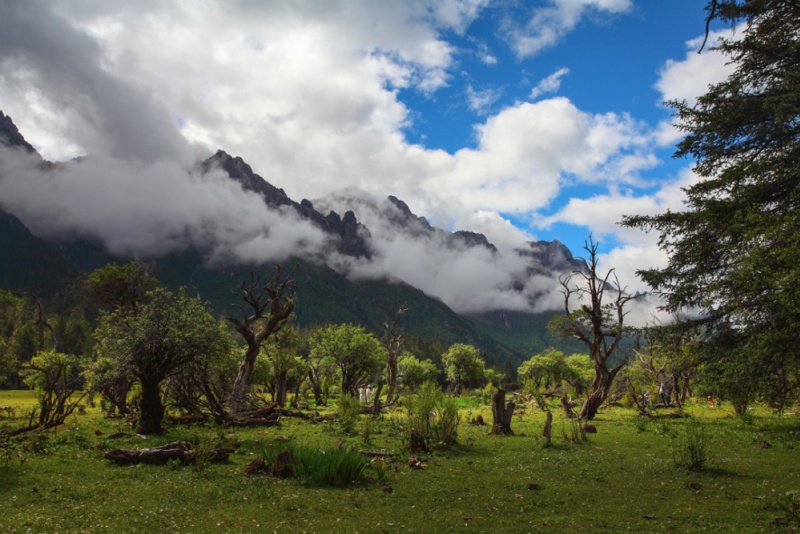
(203, 452)
(691, 452)
(348, 411)
(641, 424)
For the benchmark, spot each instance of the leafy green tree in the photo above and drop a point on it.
(463, 366)
(546, 369)
(581, 372)
(733, 253)
(121, 286)
(413, 373)
(8, 363)
(357, 353)
(321, 373)
(285, 366)
(165, 333)
(103, 375)
(393, 343)
(56, 378)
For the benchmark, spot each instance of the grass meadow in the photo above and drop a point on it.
(623, 478)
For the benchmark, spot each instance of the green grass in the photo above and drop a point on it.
(623, 478)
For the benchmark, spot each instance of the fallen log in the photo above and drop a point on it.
(180, 450)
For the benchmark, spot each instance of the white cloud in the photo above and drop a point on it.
(468, 279)
(550, 84)
(548, 24)
(690, 77)
(481, 101)
(150, 209)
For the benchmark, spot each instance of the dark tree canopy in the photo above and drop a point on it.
(733, 253)
(164, 334)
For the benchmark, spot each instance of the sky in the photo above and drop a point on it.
(536, 120)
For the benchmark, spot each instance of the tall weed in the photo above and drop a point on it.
(312, 466)
(432, 417)
(691, 451)
(447, 428)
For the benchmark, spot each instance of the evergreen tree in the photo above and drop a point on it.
(733, 254)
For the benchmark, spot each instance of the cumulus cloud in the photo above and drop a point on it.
(305, 93)
(690, 77)
(527, 151)
(47, 62)
(546, 25)
(635, 249)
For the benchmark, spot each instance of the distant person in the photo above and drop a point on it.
(362, 394)
(711, 401)
(368, 392)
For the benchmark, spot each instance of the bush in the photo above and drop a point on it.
(348, 411)
(691, 452)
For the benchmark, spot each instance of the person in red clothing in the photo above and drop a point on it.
(711, 401)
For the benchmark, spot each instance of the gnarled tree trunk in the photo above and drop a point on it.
(600, 386)
(264, 300)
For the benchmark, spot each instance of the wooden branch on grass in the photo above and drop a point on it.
(177, 450)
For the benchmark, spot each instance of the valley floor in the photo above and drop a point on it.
(623, 478)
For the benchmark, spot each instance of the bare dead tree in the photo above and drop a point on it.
(267, 305)
(598, 324)
(393, 344)
(41, 320)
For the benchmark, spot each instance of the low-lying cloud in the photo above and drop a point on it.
(144, 210)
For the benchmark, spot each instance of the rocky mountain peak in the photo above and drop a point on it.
(10, 136)
(551, 256)
(351, 235)
(406, 216)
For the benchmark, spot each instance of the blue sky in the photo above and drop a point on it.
(520, 120)
(608, 63)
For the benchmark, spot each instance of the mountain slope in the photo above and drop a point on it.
(330, 287)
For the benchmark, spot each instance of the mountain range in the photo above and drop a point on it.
(356, 257)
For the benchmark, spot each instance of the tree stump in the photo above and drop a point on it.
(417, 443)
(502, 412)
